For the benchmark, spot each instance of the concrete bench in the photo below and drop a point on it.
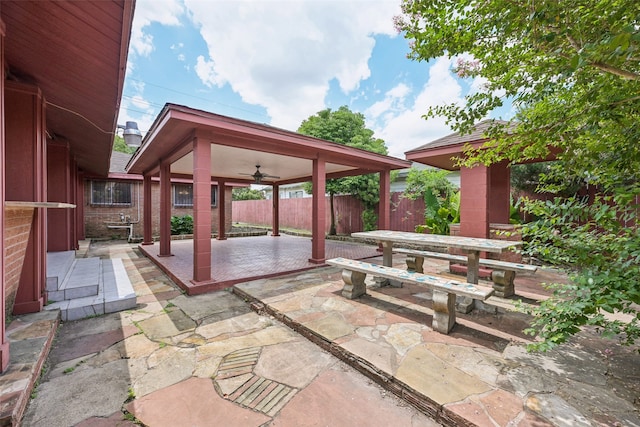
(444, 290)
(502, 275)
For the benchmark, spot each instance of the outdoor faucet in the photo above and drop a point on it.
(121, 217)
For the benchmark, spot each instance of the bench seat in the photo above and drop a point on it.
(444, 290)
(502, 276)
(491, 263)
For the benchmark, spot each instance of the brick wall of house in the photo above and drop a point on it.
(17, 227)
(96, 217)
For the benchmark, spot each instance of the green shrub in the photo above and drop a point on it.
(182, 224)
(369, 220)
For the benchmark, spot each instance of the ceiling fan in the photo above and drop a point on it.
(258, 176)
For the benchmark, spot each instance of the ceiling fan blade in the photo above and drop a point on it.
(258, 176)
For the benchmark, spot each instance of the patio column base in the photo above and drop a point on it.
(196, 288)
(203, 282)
(164, 256)
(317, 260)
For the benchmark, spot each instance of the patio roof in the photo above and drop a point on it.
(76, 53)
(239, 145)
(441, 152)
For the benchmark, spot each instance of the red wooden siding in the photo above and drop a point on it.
(296, 213)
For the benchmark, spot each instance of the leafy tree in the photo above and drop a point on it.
(348, 128)
(571, 70)
(246, 193)
(121, 146)
(534, 177)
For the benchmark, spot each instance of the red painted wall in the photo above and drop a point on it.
(25, 175)
(499, 193)
(4, 343)
(474, 211)
(61, 231)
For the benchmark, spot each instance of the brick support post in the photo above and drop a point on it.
(165, 209)
(319, 211)
(202, 209)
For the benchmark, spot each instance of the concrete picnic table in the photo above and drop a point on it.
(471, 246)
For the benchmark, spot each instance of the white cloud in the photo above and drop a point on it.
(404, 129)
(283, 54)
(139, 102)
(165, 12)
(393, 100)
(206, 71)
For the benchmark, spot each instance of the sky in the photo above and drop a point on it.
(280, 62)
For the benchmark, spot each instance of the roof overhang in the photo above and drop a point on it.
(444, 152)
(75, 52)
(443, 157)
(239, 145)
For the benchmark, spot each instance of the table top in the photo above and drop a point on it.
(460, 242)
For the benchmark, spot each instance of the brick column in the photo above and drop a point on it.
(147, 212)
(384, 206)
(165, 209)
(319, 211)
(275, 228)
(202, 209)
(222, 213)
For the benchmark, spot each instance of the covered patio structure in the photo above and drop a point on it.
(217, 150)
(484, 190)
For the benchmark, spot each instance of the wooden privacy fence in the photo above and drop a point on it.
(297, 213)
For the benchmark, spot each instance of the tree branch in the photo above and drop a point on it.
(622, 101)
(615, 70)
(604, 66)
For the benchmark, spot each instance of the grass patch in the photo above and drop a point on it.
(131, 395)
(128, 416)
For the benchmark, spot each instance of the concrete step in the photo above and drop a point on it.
(58, 266)
(115, 293)
(83, 280)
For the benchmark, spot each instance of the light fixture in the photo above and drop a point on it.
(131, 134)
